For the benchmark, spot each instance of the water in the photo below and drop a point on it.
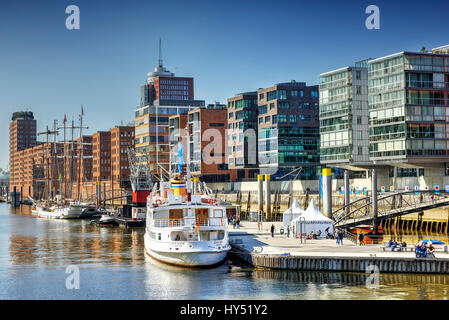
(34, 255)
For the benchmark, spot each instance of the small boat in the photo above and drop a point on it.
(92, 212)
(105, 220)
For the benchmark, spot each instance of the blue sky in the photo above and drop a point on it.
(227, 46)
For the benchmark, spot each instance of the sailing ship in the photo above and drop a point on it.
(59, 206)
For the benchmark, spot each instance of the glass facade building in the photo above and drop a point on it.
(409, 109)
(344, 117)
(288, 129)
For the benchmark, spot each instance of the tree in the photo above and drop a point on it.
(423, 49)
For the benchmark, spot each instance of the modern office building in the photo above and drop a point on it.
(288, 129)
(344, 132)
(162, 96)
(409, 112)
(242, 135)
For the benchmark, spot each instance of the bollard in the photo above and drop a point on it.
(260, 194)
(347, 194)
(267, 196)
(374, 192)
(327, 192)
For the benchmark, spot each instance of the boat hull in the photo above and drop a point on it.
(186, 258)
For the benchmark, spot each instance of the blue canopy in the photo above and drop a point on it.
(434, 241)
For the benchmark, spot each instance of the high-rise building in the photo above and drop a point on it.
(242, 135)
(162, 96)
(344, 117)
(288, 133)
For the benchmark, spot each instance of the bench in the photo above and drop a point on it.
(399, 249)
(438, 248)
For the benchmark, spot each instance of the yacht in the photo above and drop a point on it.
(186, 231)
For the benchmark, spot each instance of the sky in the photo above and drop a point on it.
(228, 46)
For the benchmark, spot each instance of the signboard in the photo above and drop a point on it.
(447, 188)
(437, 189)
(357, 190)
(382, 189)
(391, 188)
(426, 188)
(407, 188)
(365, 190)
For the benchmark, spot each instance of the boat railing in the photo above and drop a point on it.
(168, 223)
(173, 223)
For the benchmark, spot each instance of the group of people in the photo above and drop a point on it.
(424, 249)
(235, 221)
(396, 246)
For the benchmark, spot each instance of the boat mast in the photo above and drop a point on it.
(55, 133)
(81, 155)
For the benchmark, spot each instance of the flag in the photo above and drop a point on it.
(198, 227)
(82, 110)
(181, 157)
(65, 119)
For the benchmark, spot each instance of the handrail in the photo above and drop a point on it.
(413, 203)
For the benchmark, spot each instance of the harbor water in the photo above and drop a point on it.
(36, 253)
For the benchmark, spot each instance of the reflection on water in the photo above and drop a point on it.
(34, 254)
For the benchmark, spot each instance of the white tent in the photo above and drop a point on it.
(292, 213)
(314, 221)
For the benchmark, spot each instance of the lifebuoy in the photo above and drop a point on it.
(158, 202)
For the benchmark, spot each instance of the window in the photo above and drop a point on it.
(267, 119)
(274, 119)
(360, 151)
(261, 96)
(231, 115)
(359, 120)
(292, 118)
(261, 120)
(358, 75)
(282, 118)
(359, 90)
(271, 106)
(294, 93)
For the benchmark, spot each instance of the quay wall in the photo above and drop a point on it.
(342, 264)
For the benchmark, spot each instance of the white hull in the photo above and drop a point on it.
(59, 213)
(199, 255)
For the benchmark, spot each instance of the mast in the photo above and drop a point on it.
(65, 155)
(55, 133)
(71, 159)
(81, 154)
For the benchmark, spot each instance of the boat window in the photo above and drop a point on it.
(159, 236)
(218, 213)
(175, 214)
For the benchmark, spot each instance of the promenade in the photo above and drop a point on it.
(261, 250)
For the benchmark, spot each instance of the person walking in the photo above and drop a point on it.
(340, 236)
(272, 230)
(337, 236)
(288, 231)
(361, 238)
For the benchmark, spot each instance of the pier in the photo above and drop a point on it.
(260, 250)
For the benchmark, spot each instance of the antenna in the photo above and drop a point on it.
(160, 52)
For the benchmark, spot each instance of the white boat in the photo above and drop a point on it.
(72, 211)
(188, 234)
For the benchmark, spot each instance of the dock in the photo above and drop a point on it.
(262, 251)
